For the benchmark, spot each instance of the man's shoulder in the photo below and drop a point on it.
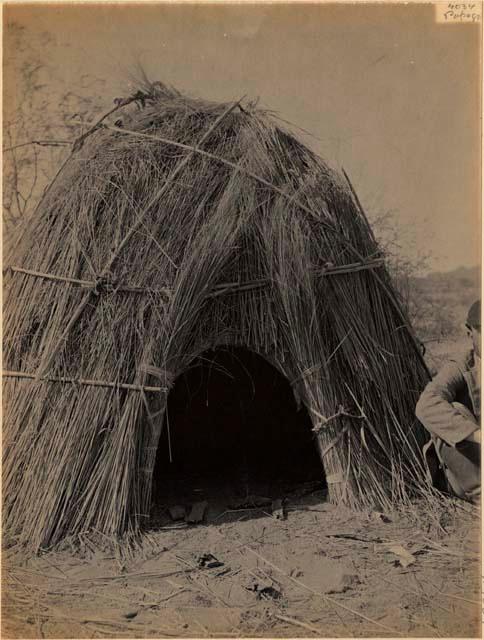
(453, 371)
(464, 361)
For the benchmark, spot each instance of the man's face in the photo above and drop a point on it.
(475, 333)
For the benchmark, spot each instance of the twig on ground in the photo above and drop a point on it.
(113, 632)
(450, 552)
(173, 595)
(146, 574)
(454, 597)
(298, 623)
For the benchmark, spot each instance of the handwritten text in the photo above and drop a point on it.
(458, 11)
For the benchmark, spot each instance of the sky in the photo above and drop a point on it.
(384, 90)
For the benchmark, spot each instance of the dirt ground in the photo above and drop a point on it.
(320, 571)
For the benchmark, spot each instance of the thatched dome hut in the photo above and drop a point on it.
(176, 226)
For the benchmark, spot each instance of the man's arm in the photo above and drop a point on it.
(435, 411)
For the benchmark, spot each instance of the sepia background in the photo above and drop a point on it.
(393, 97)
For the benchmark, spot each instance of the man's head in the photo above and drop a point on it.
(473, 324)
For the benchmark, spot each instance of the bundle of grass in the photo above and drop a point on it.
(177, 226)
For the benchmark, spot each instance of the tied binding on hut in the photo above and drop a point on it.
(175, 226)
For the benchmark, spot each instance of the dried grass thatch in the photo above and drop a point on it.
(184, 226)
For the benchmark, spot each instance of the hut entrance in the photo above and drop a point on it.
(233, 430)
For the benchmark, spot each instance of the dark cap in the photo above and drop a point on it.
(474, 315)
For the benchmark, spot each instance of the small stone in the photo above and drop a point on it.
(197, 512)
(278, 510)
(209, 561)
(267, 593)
(177, 512)
(378, 516)
(130, 615)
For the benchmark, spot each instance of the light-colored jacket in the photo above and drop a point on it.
(457, 381)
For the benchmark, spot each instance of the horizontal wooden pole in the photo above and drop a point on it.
(49, 276)
(82, 381)
(218, 289)
(87, 284)
(349, 268)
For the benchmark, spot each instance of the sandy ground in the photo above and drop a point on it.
(322, 571)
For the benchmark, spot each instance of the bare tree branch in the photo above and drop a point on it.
(40, 143)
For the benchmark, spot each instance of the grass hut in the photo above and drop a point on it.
(175, 226)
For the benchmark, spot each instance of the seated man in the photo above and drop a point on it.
(449, 408)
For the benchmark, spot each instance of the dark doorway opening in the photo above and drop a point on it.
(233, 428)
